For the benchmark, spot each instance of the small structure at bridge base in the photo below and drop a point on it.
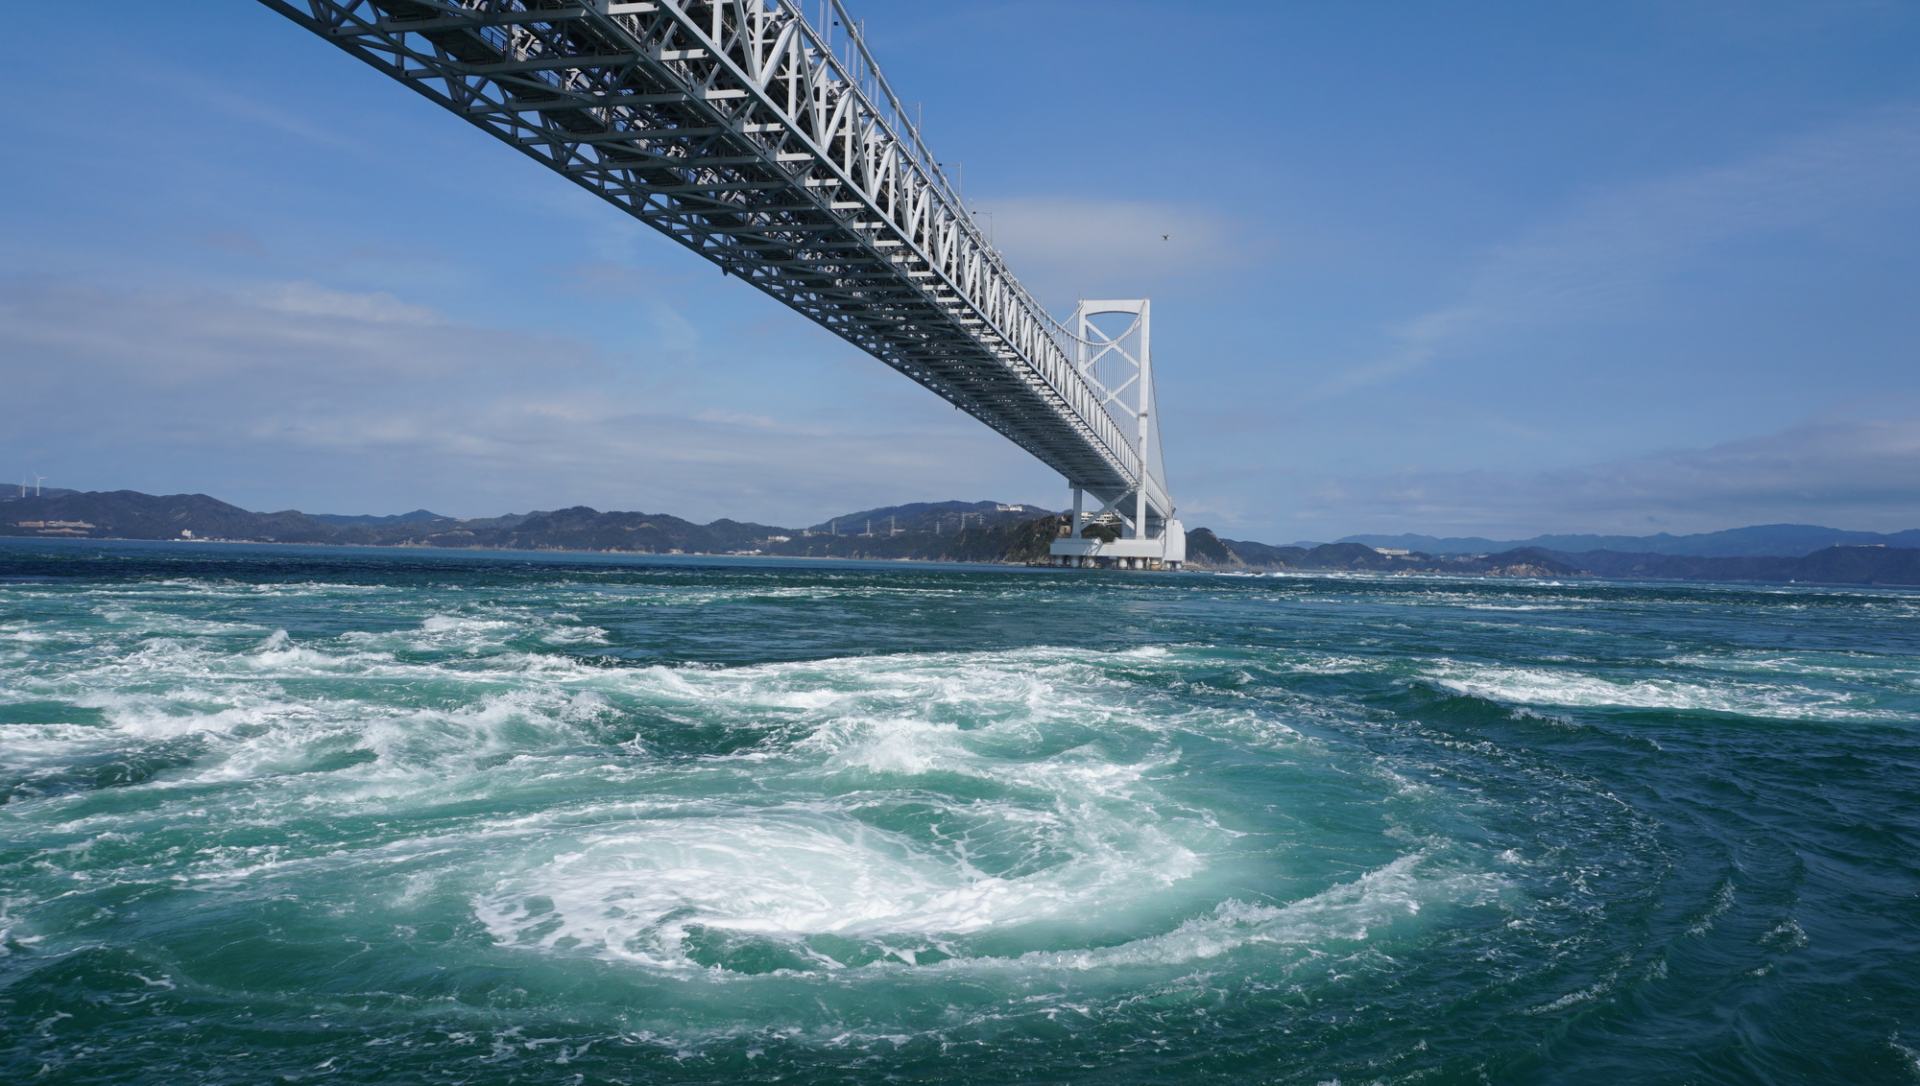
(1166, 551)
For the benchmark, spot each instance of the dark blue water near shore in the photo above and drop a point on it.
(304, 815)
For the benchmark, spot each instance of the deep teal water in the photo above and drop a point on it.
(290, 815)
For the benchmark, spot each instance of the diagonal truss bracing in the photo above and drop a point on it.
(733, 127)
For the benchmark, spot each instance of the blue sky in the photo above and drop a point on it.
(1490, 269)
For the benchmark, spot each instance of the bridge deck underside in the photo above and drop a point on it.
(659, 109)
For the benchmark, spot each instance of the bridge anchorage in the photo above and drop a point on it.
(759, 141)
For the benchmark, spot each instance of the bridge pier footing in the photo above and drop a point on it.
(1164, 552)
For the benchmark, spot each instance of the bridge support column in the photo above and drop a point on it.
(1146, 406)
(1079, 511)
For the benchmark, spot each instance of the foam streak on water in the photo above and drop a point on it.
(305, 815)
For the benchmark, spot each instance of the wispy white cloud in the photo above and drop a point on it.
(1860, 473)
(1616, 248)
(1067, 248)
(249, 391)
(301, 299)
(176, 335)
(254, 109)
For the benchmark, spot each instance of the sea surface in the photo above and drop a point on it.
(276, 814)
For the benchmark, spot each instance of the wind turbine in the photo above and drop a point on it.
(37, 480)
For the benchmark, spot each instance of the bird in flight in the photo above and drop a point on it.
(1166, 237)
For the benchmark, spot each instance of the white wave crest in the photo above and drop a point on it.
(1544, 686)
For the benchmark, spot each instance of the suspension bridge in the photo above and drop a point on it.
(772, 145)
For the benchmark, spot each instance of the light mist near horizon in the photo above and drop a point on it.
(1490, 272)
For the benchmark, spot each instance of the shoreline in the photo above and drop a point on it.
(1246, 573)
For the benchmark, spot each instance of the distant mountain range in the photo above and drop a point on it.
(1206, 549)
(929, 517)
(957, 531)
(1760, 540)
(979, 532)
(27, 490)
(1868, 564)
(418, 516)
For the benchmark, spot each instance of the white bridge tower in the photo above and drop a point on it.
(1133, 527)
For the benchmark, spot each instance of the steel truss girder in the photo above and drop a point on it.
(732, 126)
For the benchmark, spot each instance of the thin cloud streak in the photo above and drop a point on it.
(1857, 474)
(1065, 249)
(255, 391)
(1616, 248)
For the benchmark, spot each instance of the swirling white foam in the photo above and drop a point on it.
(1038, 776)
(1548, 686)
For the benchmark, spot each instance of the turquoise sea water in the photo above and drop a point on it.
(303, 815)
